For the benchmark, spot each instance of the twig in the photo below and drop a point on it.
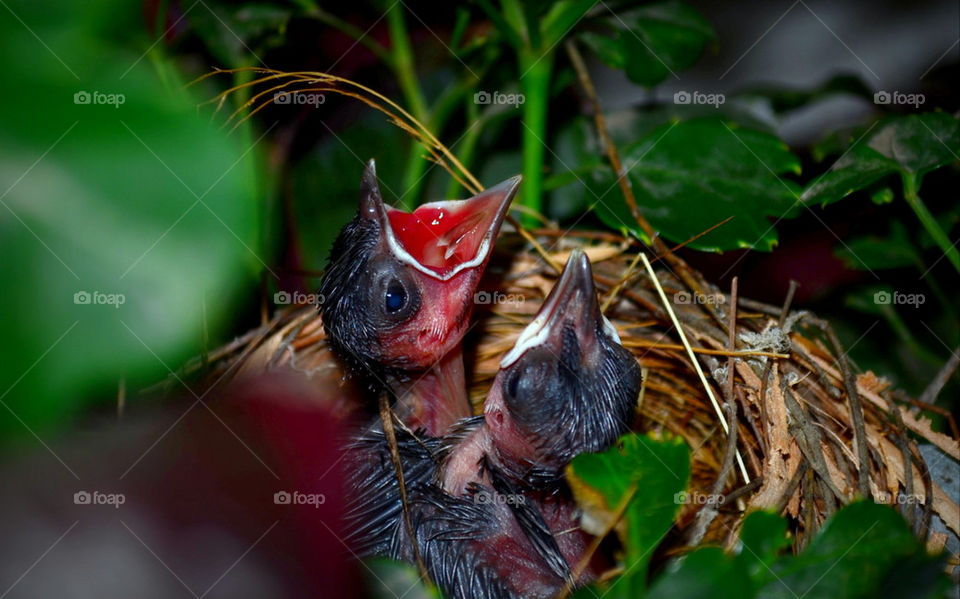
(386, 418)
(732, 336)
(630, 272)
(738, 493)
(536, 244)
(612, 295)
(856, 411)
(693, 359)
(784, 310)
(924, 524)
(613, 155)
(743, 353)
(595, 542)
(808, 438)
(894, 410)
(929, 394)
(709, 512)
(809, 510)
(947, 415)
(791, 488)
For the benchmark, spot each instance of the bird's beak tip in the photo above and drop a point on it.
(571, 302)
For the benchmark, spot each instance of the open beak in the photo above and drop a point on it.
(571, 304)
(442, 239)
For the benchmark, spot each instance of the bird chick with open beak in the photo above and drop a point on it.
(399, 291)
(491, 512)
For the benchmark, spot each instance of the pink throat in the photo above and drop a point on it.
(435, 399)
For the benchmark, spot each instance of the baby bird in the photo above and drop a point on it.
(491, 513)
(398, 294)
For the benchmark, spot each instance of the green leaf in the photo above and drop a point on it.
(608, 49)
(784, 99)
(651, 473)
(576, 152)
(707, 573)
(127, 227)
(690, 176)
(865, 550)
(236, 35)
(881, 196)
(874, 252)
(562, 17)
(852, 557)
(652, 42)
(762, 538)
(387, 579)
(910, 145)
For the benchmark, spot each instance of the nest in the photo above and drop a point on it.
(766, 398)
(811, 433)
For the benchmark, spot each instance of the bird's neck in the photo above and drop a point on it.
(434, 399)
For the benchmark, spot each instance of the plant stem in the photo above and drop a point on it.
(468, 144)
(535, 68)
(903, 332)
(406, 73)
(312, 10)
(928, 221)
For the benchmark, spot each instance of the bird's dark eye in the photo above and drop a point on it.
(396, 297)
(513, 384)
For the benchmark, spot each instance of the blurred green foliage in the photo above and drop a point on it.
(128, 223)
(725, 169)
(864, 550)
(647, 475)
(652, 41)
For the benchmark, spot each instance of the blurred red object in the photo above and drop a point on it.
(238, 494)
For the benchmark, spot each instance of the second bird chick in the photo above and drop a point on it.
(492, 515)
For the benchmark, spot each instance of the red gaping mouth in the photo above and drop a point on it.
(441, 239)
